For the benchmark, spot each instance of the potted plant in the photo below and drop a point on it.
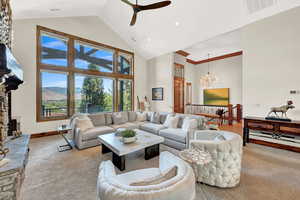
(128, 136)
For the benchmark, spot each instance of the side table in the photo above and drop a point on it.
(64, 130)
(195, 157)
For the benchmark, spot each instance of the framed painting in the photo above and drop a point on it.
(157, 94)
(219, 96)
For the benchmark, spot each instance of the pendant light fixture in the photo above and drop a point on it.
(208, 79)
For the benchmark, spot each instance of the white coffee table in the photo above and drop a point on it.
(145, 140)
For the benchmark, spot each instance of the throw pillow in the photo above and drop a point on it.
(163, 118)
(117, 118)
(189, 124)
(108, 118)
(171, 121)
(149, 114)
(84, 124)
(98, 119)
(155, 118)
(180, 121)
(131, 116)
(172, 172)
(141, 117)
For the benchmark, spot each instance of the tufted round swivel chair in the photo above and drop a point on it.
(226, 151)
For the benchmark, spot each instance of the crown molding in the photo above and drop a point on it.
(215, 58)
(183, 53)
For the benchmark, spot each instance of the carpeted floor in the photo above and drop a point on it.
(267, 173)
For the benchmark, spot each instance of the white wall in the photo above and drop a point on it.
(271, 63)
(160, 74)
(229, 74)
(24, 47)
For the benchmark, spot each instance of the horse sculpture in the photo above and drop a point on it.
(281, 109)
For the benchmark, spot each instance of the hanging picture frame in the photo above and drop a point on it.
(157, 94)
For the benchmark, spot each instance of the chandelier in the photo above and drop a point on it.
(208, 79)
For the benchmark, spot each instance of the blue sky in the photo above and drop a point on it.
(59, 79)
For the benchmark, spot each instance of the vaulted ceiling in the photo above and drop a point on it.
(179, 26)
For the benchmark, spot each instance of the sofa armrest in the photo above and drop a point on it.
(77, 137)
(189, 137)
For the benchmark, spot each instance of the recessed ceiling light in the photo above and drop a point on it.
(148, 39)
(177, 23)
(54, 9)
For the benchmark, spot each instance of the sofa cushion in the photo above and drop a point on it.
(137, 124)
(98, 119)
(120, 117)
(141, 117)
(152, 128)
(108, 118)
(131, 116)
(84, 123)
(92, 133)
(138, 175)
(176, 134)
(128, 125)
(162, 177)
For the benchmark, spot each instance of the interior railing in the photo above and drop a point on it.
(229, 113)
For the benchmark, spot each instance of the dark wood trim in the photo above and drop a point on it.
(82, 71)
(275, 145)
(182, 53)
(177, 65)
(71, 70)
(215, 58)
(42, 28)
(45, 134)
(191, 61)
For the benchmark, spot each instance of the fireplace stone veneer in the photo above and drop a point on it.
(13, 173)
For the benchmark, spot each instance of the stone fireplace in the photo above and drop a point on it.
(5, 38)
(3, 114)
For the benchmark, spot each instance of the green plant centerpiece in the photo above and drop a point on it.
(128, 136)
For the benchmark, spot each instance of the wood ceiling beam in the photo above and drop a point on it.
(215, 58)
(183, 53)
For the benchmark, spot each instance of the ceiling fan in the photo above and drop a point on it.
(137, 8)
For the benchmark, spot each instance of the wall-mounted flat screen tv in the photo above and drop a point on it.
(9, 67)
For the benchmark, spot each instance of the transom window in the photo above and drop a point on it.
(76, 75)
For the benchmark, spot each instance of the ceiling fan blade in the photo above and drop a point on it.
(155, 5)
(133, 20)
(127, 2)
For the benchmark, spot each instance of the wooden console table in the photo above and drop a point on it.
(278, 128)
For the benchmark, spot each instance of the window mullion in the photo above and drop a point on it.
(115, 69)
(116, 95)
(71, 81)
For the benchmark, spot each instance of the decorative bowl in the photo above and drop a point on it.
(128, 140)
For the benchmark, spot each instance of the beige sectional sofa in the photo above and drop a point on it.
(104, 123)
